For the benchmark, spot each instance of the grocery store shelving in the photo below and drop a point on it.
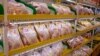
(97, 37)
(66, 52)
(48, 42)
(37, 17)
(43, 17)
(46, 17)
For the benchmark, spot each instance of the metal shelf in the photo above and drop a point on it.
(37, 17)
(43, 17)
(97, 37)
(86, 16)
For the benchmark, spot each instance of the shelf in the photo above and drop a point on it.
(43, 17)
(48, 42)
(37, 17)
(67, 51)
(98, 15)
(86, 16)
(1, 54)
(97, 37)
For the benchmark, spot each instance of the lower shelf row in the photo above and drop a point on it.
(74, 45)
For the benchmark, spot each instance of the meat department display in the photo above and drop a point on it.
(27, 34)
(31, 34)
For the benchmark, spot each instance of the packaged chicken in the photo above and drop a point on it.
(42, 31)
(87, 49)
(80, 27)
(85, 23)
(79, 53)
(47, 51)
(59, 27)
(13, 37)
(18, 8)
(72, 42)
(54, 32)
(87, 35)
(28, 34)
(78, 8)
(65, 9)
(79, 39)
(41, 8)
(57, 48)
(36, 54)
(58, 8)
(69, 29)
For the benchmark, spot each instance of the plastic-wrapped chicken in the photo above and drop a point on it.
(58, 8)
(18, 8)
(87, 49)
(57, 48)
(42, 31)
(47, 51)
(69, 29)
(28, 34)
(41, 8)
(66, 10)
(54, 32)
(60, 29)
(85, 23)
(75, 41)
(36, 53)
(78, 8)
(91, 11)
(13, 37)
(87, 35)
(79, 39)
(72, 42)
(79, 53)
